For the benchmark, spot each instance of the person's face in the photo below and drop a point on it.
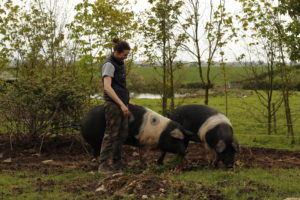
(121, 56)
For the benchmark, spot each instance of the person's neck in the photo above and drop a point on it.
(116, 59)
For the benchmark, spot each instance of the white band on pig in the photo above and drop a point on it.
(211, 123)
(151, 128)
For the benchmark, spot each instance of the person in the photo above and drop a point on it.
(116, 96)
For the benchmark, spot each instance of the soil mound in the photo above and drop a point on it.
(152, 187)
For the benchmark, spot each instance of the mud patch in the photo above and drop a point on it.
(250, 157)
(152, 187)
(71, 153)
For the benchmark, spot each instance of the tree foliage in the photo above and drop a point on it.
(95, 24)
(292, 8)
(46, 93)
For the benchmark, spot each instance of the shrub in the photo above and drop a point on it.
(37, 104)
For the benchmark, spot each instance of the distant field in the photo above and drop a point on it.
(191, 74)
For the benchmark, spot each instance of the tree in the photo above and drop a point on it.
(271, 30)
(93, 28)
(292, 8)
(207, 36)
(162, 43)
(32, 35)
(45, 95)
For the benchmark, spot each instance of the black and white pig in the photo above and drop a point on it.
(146, 129)
(213, 129)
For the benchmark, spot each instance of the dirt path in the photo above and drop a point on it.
(61, 152)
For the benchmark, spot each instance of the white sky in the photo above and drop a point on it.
(231, 52)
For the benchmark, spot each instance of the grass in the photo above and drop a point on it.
(243, 184)
(35, 185)
(191, 74)
(238, 184)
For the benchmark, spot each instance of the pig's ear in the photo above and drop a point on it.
(220, 146)
(176, 133)
(235, 146)
(191, 136)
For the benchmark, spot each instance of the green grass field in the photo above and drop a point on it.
(191, 74)
(244, 184)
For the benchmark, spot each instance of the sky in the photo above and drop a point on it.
(231, 51)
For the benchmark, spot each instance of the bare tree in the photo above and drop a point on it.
(162, 43)
(263, 18)
(207, 36)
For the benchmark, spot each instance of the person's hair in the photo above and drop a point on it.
(120, 45)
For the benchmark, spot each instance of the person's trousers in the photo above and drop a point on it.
(115, 134)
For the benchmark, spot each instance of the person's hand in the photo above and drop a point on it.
(125, 110)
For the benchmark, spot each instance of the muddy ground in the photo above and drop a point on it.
(60, 153)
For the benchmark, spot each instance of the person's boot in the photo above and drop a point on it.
(118, 165)
(104, 168)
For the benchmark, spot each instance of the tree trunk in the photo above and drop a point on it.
(164, 97)
(288, 115)
(274, 119)
(206, 94)
(172, 106)
(223, 65)
(269, 118)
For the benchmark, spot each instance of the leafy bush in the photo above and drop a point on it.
(38, 104)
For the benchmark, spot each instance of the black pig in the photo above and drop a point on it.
(213, 129)
(146, 129)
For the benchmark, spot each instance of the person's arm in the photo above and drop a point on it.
(112, 94)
